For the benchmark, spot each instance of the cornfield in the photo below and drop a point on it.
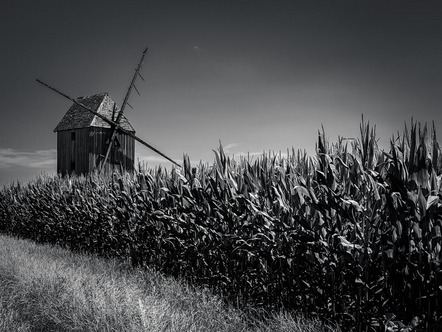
(352, 235)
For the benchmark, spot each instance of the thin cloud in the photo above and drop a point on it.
(32, 159)
(230, 146)
(154, 159)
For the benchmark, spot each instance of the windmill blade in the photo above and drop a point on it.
(150, 147)
(129, 90)
(120, 114)
(110, 122)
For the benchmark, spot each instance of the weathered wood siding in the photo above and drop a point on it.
(81, 150)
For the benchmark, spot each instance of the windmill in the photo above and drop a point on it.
(95, 134)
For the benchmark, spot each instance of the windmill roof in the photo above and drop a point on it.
(77, 117)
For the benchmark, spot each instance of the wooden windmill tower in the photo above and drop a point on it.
(94, 134)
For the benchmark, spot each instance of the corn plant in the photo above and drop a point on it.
(351, 235)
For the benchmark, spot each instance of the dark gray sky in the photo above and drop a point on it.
(257, 75)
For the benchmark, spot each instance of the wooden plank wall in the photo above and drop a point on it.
(125, 154)
(84, 153)
(97, 151)
(72, 152)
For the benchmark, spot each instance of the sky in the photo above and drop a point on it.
(259, 75)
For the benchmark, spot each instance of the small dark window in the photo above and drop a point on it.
(73, 136)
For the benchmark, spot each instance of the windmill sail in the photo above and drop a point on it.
(114, 124)
(123, 106)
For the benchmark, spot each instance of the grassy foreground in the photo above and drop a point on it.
(47, 288)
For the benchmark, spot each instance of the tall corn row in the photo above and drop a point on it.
(351, 235)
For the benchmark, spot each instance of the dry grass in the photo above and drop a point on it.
(47, 288)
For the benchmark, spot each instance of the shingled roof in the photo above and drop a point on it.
(77, 117)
